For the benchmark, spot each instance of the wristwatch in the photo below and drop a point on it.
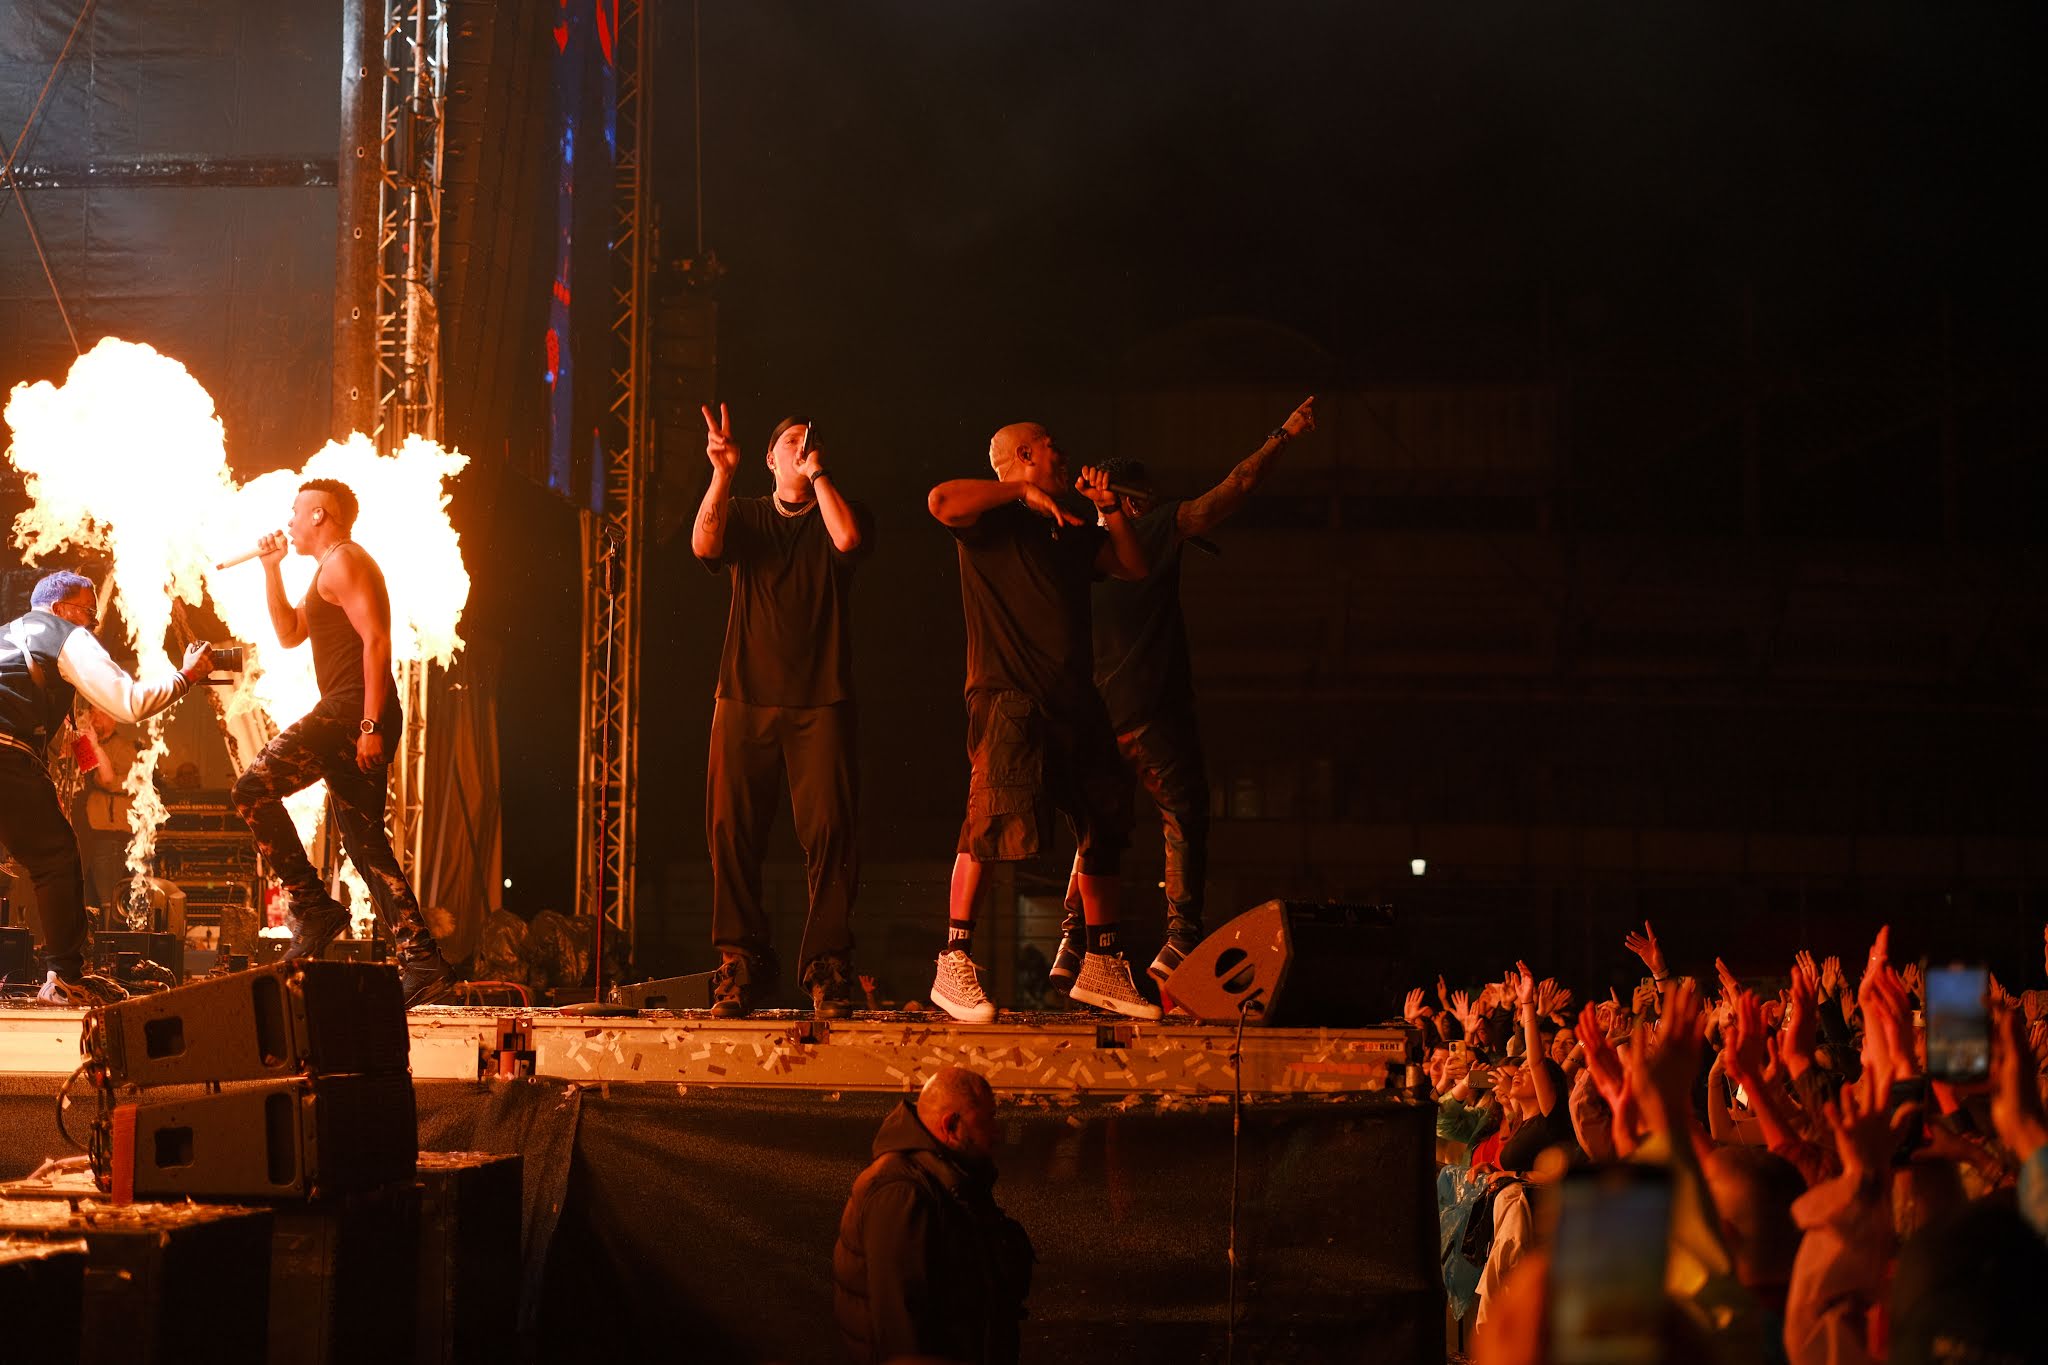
(368, 727)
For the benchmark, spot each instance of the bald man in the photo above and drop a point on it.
(926, 1264)
(1038, 736)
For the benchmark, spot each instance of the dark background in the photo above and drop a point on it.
(1743, 624)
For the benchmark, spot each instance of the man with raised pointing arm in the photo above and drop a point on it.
(47, 658)
(1038, 738)
(345, 740)
(785, 705)
(1147, 682)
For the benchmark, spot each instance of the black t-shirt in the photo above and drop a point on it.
(1024, 592)
(1141, 638)
(788, 633)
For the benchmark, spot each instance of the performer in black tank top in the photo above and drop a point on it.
(345, 740)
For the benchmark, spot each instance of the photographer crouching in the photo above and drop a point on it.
(49, 657)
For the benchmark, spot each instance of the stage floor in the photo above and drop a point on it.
(1052, 1054)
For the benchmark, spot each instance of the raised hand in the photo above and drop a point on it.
(1661, 1072)
(1443, 992)
(719, 447)
(1802, 1019)
(1411, 1007)
(1461, 1007)
(1525, 987)
(1646, 947)
(1747, 1052)
(1644, 1003)
(1865, 1134)
(1832, 982)
(1552, 999)
(1887, 1044)
(1880, 954)
(1915, 981)
(1302, 418)
(811, 463)
(1997, 994)
(1730, 987)
(1094, 486)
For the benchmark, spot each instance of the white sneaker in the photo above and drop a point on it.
(957, 989)
(1105, 982)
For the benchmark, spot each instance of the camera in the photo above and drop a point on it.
(227, 658)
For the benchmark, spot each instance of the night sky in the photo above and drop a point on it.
(939, 218)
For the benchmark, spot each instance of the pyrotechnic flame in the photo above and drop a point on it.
(127, 457)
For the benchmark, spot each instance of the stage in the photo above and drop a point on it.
(684, 1175)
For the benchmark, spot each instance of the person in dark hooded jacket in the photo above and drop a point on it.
(926, 1264)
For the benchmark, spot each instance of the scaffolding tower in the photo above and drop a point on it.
(614, 534)
(387, 316)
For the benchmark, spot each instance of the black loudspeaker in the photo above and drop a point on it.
(18, 955)
(301, 1138)
(667, 993)
(342, 1279)
(469, 1258)
(163, 1284)
(42, 1298)
(298, 1016)
(1297, 964)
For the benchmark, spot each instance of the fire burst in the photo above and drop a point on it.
(127, 457)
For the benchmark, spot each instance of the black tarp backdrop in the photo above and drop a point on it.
(181, 174)
(235, 282)
(699, 1226)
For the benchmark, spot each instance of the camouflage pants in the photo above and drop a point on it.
(322, 747)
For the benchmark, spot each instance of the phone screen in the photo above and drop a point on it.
(1607, 1266)
(1958, 1023)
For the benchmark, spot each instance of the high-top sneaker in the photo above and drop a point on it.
(956, 989)
(1105, 982)
(1181, 937)
(81, 992)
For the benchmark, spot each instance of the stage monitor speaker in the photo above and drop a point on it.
(300, 1138)
(1297, 964)
(667, 993)
(274, 1021)
(18, 955)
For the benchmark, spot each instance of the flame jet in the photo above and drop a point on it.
(127, 457)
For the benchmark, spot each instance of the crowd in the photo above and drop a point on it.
(1813, 1193)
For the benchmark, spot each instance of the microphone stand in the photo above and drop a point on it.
(597, 1004)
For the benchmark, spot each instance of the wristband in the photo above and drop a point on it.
(1279, 434)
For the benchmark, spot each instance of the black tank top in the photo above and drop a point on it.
(337, 649)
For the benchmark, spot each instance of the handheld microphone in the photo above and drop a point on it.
(242, 558)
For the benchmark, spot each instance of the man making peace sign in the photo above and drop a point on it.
(785, 704)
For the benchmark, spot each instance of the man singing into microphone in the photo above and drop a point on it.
(47, 658)
(1038, 738)
(1146, 681)
(346, 739)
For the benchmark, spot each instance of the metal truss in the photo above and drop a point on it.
(414, 44)
(614, 535)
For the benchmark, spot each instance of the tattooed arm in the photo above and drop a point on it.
(707, 535)
(1198, 516)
